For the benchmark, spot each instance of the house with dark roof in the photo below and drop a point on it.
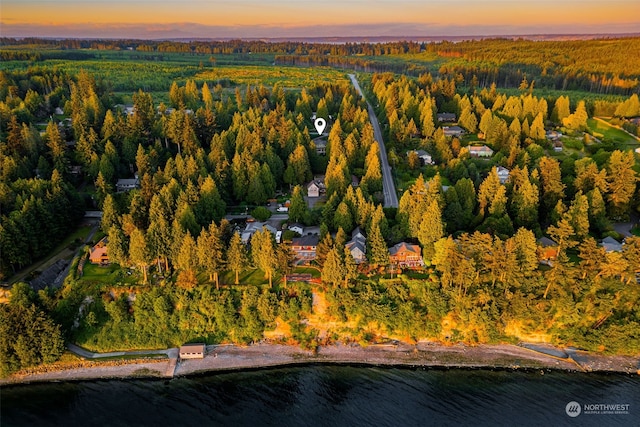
(446, 117)
(453, 131)
(127, 184)
(558, 146)
(297, 227)
(547, 250)
(357, 246)
(305, 247)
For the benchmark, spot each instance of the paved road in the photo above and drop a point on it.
(388, 187)
(277, 216)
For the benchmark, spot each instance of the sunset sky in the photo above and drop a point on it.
(304, 18)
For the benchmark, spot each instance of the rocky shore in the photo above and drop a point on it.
(220, 358)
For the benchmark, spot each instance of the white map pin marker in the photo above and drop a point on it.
(320, 124)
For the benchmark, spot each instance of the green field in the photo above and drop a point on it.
(601, 129)
(288, 77)
(125, 72)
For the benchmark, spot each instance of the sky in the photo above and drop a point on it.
(152, 19)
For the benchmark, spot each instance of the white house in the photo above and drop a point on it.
(425, 158)
(297, 227)
(503, 174)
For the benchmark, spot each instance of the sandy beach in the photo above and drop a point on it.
(220, 358)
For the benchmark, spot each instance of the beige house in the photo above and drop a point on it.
(480, 151)
(316, 188)
(406, 255)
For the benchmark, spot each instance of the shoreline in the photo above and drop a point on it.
(227, 358)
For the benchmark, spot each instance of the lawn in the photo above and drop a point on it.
(247, 277)
(313, 271)
(601, 129)
(110, 275)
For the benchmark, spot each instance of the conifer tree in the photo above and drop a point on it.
(622, 180)
(236, 255)
(263, 253)
(210, 252)
(431, 230)
(139, 251)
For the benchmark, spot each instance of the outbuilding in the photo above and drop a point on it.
(192, 351)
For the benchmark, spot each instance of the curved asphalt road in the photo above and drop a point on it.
(388, 187)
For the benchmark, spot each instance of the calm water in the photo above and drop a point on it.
(327, 396)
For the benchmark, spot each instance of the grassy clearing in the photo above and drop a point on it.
(610, 133)
(109, 275)
(291, 77)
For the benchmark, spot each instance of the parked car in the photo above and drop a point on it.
(282, 209)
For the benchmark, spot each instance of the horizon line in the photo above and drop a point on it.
(357, 37)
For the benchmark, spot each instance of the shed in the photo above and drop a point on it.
(192, 351)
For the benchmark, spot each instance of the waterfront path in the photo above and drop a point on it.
(171, 353)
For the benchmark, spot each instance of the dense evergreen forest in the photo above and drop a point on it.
(181, 272)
